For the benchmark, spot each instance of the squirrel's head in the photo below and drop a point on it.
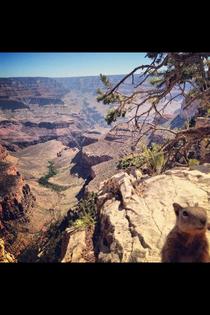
(192, 220)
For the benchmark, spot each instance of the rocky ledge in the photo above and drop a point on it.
(135, 214)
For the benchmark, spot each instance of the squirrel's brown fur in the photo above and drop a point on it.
(187, 241)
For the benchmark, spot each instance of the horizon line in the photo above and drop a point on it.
(60, 77)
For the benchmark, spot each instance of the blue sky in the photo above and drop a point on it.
(68, 64)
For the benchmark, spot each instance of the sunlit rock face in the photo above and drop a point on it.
(16, 201)
(137, 214)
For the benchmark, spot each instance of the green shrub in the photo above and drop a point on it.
(131, 160)
(51, 169)
(155, 158)
(193, 162)
(87, 210)
(84, 221)
(44, 180)
(151, 158)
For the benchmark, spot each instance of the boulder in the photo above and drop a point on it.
(77, 246)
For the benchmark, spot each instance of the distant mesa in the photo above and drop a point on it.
(11, 104)
(45, 101)
(47, 125)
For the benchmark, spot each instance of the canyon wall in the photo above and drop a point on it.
(16, 201)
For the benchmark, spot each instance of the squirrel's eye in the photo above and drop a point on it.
(185, 214)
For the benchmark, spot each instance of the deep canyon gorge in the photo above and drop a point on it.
(55, 149)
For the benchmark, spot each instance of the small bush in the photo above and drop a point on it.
(87, 210)
(155, 158)
(193, 162)
(151, 159)
(131, 160)
(52, 170)
(85, 221)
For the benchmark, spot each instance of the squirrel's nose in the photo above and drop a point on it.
(203, 221)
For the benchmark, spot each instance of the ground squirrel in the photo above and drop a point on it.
(187, 241)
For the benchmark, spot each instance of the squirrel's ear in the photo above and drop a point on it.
(177, 208)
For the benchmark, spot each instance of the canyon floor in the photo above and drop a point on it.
(33, 163)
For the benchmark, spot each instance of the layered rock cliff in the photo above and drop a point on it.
(16, 201)
(102, 156)
(25, 133)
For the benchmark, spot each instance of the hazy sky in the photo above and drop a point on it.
(68, 64)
